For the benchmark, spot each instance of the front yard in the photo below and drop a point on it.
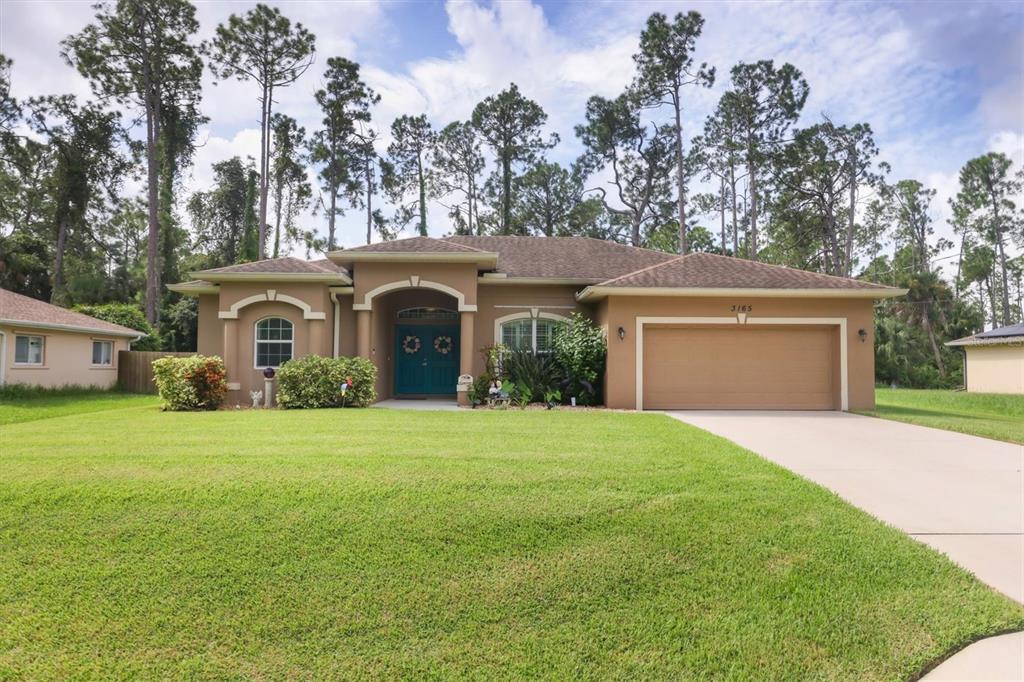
(979, 414)
(379, 543)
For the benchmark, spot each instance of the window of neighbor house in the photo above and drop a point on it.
(103, 353)
(536, 335)
(28, 350)
(274, 338)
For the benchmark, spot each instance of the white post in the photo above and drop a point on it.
(268, 390)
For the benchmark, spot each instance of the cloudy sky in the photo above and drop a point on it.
(939, 82)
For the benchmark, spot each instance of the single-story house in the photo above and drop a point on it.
(994, 360)
(46, 345)
(693, 331)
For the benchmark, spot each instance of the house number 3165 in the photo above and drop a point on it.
(742, 309)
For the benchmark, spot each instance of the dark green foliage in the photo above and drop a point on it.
(580, 352)
(314, 381)
(533, 373)
(127, 315)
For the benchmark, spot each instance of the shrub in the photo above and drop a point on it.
(195, 382)
(531, 372)
(580, 351)
(126, 315)
(315, 381)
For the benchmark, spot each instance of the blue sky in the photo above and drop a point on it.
(938, 82)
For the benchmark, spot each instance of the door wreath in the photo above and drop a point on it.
(443, 344)
(411, 344)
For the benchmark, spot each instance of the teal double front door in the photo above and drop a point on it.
(426, 359)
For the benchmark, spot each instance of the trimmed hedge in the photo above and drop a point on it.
(196, 382)
(315, 381)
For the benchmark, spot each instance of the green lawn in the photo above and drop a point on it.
(979, 414)
(19, 404)
(385, 544)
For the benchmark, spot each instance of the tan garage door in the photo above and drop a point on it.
(785, 368)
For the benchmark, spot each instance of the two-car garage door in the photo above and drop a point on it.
(740, 367)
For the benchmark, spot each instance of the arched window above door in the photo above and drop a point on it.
(427, 313)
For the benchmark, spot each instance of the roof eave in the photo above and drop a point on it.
(598, 292)
(29, 324)
(487, 278)
(974, 342)
(326, 277)
(482, 258)
(189, 289)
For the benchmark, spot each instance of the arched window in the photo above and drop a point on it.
(274, 339)
(427, 314)
(534, 334)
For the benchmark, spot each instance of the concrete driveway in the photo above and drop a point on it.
(960, 494)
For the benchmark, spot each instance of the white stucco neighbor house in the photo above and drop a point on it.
(994, 360)
(46, 345)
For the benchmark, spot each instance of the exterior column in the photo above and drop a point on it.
(230, 354)
(467, 342)
(315, 329)
(363, 333)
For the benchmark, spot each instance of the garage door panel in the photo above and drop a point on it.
(739, 368)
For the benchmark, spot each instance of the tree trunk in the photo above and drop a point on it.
(992, 300)
(506, 194)
(959, 265)
(58, 294)
(926, 323)
(635, 229)
(277, 222)
(721, 207)
(752, 174)
(850, 222)
(680, 176)
(735, 223)
(264, 168)
(369, 198)
(334, 208)
(423, 194)
(153, 244)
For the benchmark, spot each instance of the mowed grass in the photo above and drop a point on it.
(988, 415)
(394, 544)
(21, 404)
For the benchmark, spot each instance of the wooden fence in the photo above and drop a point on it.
(135, 371)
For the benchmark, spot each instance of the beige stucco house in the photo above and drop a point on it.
(694, 331)
(46, 345)
(994, 360)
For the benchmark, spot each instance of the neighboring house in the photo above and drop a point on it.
(994, 360)
(694, 331)
(46, 345)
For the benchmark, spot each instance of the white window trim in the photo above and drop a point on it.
(103, 365)
(743, 318)
(531, 314)
(256, 341)
(42, 350)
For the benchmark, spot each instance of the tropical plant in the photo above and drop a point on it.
(314, 381)
(580, 351)
(195, 382)
(532, 372)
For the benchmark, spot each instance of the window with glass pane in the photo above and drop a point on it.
(273, 342)
(28, 350)
(517, 334)
(546, 335)
(102, 352)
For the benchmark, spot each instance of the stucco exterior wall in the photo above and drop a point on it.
(210, 336)
(995, 369)
(67, 359)
(501, 300)
(460, 276)
(622, 311)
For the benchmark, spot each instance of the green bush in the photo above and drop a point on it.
(315, 381)
(580, 351)
(126, 315)
(531, 372)
(195, 382)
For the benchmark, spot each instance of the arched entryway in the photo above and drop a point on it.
(421, 330)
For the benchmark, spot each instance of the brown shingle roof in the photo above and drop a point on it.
(15, 309)
(711, 271)
(285, 266)
(413, 245)
(580, 258)
(1012, 335)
